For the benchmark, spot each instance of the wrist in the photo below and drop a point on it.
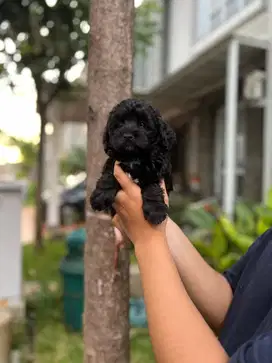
(150, 240)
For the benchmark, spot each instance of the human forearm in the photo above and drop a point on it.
(208, 289)
(172, 317)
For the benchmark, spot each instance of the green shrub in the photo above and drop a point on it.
(222, 241)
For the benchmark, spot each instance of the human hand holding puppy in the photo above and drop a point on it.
(130, 219)
(164, 292)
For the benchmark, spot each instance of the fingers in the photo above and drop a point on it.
(120, 201)
(122, 177)
(116, 223)
(118, 235)
(163, 185)
(165, 194)
(119, 231)
(120, 197)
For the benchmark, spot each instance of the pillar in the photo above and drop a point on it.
(231, 111)
(53, 175)
(267, 125)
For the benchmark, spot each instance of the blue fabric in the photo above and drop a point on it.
(247, 331)
(258, 350)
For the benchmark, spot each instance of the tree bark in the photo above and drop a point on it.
(106, 325)
(39, 180)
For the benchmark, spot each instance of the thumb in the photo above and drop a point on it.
(118, 236)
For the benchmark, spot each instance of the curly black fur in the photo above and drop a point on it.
(137, 136)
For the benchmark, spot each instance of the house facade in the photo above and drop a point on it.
(209, 72)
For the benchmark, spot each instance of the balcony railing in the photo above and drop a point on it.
(211, 14)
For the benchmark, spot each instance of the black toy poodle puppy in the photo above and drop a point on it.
(138, 137)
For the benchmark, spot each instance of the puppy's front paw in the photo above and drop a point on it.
(154, 208)
(155, 212)
(102, 200)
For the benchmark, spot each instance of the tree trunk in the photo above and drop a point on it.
(106, 325)
(39, 181)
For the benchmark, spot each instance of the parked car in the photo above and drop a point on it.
(72, 204)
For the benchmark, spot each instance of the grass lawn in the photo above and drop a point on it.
(53, 342)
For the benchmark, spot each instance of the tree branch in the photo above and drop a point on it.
(2, 2)
(55, 92)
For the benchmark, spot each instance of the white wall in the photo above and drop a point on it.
(258, 27)
(181, 26)
(11, 195)
(148, 68)
(193, 27)
(213, 16)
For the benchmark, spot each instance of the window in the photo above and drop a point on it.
(216, 13)
(202, 18)
(211, 14)
(231, 7)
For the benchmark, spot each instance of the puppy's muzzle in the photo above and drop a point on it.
(128, 137)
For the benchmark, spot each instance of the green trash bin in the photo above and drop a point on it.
(72, 271)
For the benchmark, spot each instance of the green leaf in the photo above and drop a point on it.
(245, 218)
(199, 218)
(261, 227)
(228, 227)
(227, 261)
(265, 215)
(203, 248)
(243, 242)
(198, 234)
(219, 244)
(269, 199)
(56, 38)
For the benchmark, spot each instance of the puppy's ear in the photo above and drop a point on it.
(168, 135)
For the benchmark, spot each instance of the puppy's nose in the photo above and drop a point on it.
(128, 136)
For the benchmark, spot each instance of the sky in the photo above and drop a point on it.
(18, 116)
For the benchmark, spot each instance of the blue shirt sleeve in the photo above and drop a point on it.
(234, 274)
(255, 351)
